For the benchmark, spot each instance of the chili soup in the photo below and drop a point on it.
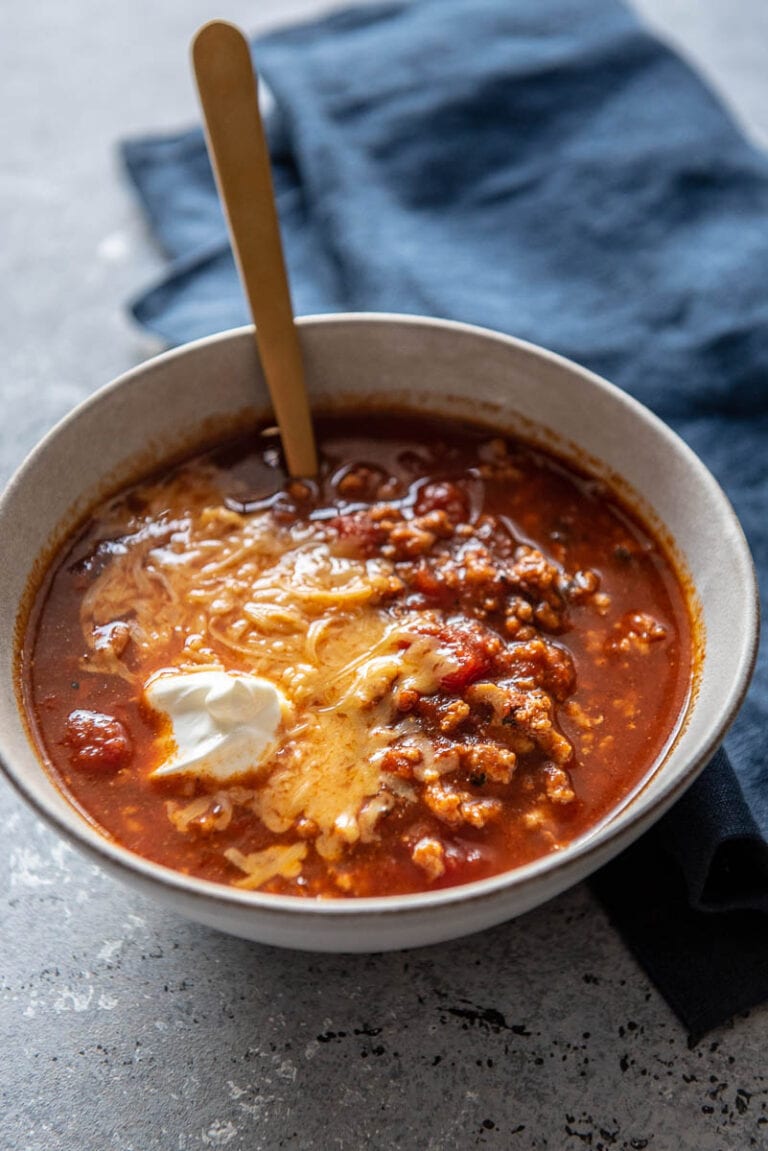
(450, 654)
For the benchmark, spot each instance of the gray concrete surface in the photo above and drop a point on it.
(124, 1027)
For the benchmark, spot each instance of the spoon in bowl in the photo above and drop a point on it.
(237, 148)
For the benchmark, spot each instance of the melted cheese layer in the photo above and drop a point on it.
(288, 660)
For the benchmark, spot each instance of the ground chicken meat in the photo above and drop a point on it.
(636, 632)
(534, 717)
(454, 715)
(400, 759)
(429, 854)
(557, 783)
(540, 663)
(454, 807)
(497, 698)
(536, 575)
(489, 761)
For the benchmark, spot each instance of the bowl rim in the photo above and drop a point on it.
(589, 850)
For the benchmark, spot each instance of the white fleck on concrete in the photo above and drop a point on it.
(70, 999)
(219, 1134)
(29, 869)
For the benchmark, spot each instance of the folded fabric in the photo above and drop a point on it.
(552, 171)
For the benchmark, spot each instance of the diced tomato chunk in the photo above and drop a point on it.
(96, 742)
(474, 665)
(463, 859)
(428, 584)
(445, 497)
(357, 530)
(470, 650)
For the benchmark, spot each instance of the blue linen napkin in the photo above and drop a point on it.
(550, 170)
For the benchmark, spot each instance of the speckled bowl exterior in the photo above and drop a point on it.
(172, 402)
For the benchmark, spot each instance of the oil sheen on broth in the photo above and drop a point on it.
(449, 655)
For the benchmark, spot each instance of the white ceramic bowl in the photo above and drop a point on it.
(176, 400)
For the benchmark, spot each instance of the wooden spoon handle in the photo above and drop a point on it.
(238, 151)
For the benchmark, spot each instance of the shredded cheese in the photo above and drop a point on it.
(222, 593)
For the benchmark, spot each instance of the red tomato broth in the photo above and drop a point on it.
(638, 684)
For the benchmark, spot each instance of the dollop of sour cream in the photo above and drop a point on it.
(223, 724)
